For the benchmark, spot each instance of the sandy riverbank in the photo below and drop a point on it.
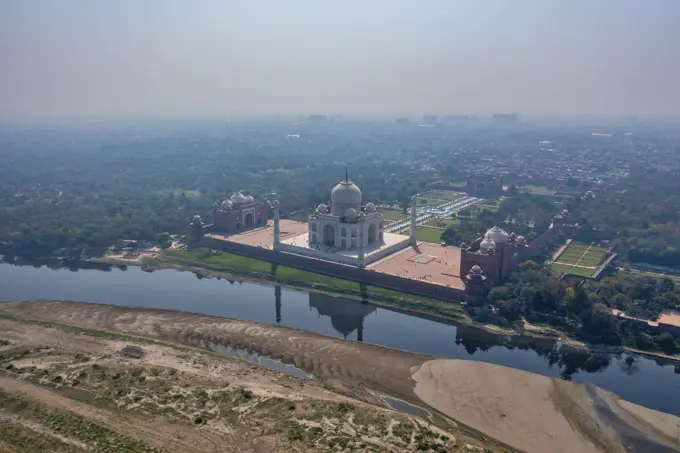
(65, 389)
(538, 414)
(529, 412)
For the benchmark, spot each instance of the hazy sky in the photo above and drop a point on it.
(91, 57)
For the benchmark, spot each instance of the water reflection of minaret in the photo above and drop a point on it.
(277, 303)
(346, 315)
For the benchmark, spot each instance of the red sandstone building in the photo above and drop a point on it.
(499, 253)
(238, 213)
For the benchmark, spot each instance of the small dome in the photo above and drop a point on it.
(226, 205)
(476, 269)
(497, 235)
(322, 209)
(238, 198)
(370, 207)
(487, 245)
(558, 217)
(565, 212)
(521, 239)
(351, 213)
(196, 218)
(250, 199)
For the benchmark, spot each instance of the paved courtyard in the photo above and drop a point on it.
(264, 237)
(426, 262)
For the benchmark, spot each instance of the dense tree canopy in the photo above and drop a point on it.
(641, 214)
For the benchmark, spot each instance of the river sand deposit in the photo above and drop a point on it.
(477, 401)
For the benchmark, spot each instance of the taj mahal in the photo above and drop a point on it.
(346, 231)
(345, 224)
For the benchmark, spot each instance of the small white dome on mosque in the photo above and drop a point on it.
(250, 199)
(487, 245)
(226, 205)
(351, 213)
(322, 209)
(521, 240)
(497, 235)
(565, 212)
(476, 269)
(238, 198)
(370, 207)
(196, 218)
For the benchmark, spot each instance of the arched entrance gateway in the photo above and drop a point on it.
(249, 220)
(372, 233)
(329, 235)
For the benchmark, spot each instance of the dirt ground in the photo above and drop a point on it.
(476, 404)
(76, 389)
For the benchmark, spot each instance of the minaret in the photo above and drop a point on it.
(362, 226)
(413, 221)
(277, 231)
(277, 303)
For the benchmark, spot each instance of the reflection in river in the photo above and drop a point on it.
(627, 375)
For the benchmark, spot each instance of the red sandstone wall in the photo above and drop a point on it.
(490, 264)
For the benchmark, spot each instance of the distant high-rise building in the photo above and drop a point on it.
(455, 119)
(505, 117)
(430, 120)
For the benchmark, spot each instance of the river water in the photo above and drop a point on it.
(654, 383)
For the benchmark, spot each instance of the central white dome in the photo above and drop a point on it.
(345, 195)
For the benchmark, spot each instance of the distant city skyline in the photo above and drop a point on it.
(180, 58)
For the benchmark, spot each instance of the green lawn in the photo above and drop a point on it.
(427, 234)
(575, 252)
(443, 223)
(558, 269)
(436, 198)
(429, 201)
(536, 189)
(393, 214)
(443, 195)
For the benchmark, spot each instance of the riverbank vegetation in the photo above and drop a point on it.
(585, 310)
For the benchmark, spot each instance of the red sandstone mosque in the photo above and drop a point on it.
(234, 215)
